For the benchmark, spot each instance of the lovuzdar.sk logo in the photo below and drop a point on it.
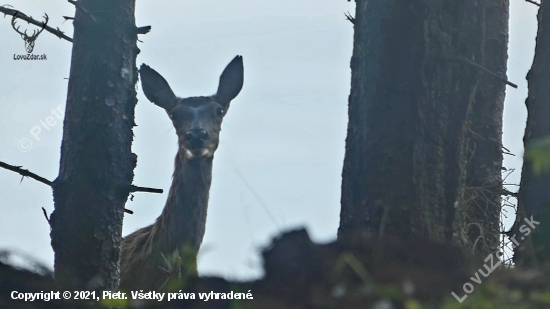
(29, 39)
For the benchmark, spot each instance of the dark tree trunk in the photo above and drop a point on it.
(414, 86)
(96, 168)
(534, 192)
(483, 189)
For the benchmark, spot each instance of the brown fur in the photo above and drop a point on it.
(147, 254)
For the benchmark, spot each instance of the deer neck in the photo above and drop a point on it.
(183, 219)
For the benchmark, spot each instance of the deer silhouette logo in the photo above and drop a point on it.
(29, 40)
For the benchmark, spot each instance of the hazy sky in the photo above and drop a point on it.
(282, 146)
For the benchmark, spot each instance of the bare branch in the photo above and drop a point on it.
(508, 192)
(46, 215)
(143, 30)
(60, 34)
(533, 2)
(78, 6)
(488, 72)
(25, 173)
(149, 190)
(350, 18)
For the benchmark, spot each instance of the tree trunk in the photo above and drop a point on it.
(96, 168)
(483, 189)
(534, 192)
(415, 83)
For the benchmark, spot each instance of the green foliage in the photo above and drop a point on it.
(347, 259)
(240, 303)
(537, 152)
(179, 266)
(412, 304)
(492, 295)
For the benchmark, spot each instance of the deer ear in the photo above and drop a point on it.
(231, 82)
(156, 88)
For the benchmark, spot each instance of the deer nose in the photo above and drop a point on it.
(196, 135)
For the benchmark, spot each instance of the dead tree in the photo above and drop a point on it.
(483, 190)
(167, 249)
(97, 164)
(532, 241)
(419, 72)
(96, 169)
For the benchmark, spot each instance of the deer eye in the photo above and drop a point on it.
(219, 112)
(175, 116)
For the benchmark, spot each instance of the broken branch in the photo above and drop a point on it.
(488, 72)
(533, 2)
(27, 173)
(142, 189)
(46, 215)
(350, 18)
(143, 30)
(78, 6)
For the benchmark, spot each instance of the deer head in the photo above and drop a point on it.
(197, 119)
(29, 40)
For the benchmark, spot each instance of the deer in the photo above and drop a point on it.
(29, 40)
(152, 255)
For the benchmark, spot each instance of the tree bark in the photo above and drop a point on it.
(534, 194)
(96, 168)
(415, 83)
(483, 189)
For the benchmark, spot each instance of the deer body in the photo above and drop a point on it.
(167, 249)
